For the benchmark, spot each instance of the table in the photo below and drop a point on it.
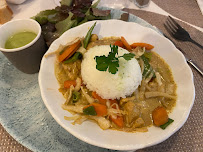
(190, 136)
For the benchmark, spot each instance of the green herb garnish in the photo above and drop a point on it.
(111, 62)
(166, 124)
(90, 111)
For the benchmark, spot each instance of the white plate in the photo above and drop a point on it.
(91, 132)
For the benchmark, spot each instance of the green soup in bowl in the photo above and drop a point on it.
(20, 39)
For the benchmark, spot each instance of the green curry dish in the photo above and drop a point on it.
(111, 62)
(90, 111)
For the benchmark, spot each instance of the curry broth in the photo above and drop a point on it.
(139, 108)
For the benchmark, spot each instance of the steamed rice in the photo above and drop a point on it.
(107, 85)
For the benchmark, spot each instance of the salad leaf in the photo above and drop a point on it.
(95, 4)
(42, 17)
(65, 25)
(71, 13)
(66, 2)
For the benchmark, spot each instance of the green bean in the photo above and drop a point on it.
(88, 36)
(166, 124)
(75, 96)
(74, 58)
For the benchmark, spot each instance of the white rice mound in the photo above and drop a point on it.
(107, 85)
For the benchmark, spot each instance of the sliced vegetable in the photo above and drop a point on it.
(69, 83)
(125, 43)
(118, 121)
(146, 45)
(166, 124)
(119, 43)
(74, 58)
(100, 109)
(88, 36)
(69, 51)
(147, 67)
(96, 96)
(89, 110)
(75, 96)
(148, 54)
(159, 116)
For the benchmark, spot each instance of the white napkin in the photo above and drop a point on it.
(200, 3)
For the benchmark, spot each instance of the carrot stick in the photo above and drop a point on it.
(69, 83)
(118, 121)
(100, 109)
(69, 51)
(159, 116)
(125, 43)
(119, 43)
(96, 96)
(146, 45)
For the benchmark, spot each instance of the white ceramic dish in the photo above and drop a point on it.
(91, 132)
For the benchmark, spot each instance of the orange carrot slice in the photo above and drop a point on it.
(100, 109)
(159, 116)
(69, 83)
(125, 43)
(96, 96)
(119, 43)
(146, 45)
(69, 51)
(118, 121)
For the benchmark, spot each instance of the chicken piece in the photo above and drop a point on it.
(139, 122)
(76, 108)
(102, 122)
(132, 112)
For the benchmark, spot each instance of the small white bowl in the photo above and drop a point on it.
(90, 132)
(16, 1)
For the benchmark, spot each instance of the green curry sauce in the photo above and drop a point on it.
(19, 39)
